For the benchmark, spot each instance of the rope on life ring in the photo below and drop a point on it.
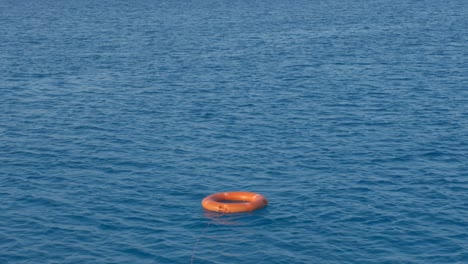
(234, 202)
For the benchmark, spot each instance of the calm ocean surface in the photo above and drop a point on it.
(118, 117)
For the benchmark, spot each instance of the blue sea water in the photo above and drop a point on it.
(118, 117)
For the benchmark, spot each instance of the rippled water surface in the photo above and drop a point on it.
(118, 117)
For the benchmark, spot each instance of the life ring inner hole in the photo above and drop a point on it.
(232, 201)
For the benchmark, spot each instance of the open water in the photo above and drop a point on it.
(118, 117)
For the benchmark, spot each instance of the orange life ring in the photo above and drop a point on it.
(234, 202)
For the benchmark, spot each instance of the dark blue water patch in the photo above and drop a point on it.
(118, 118)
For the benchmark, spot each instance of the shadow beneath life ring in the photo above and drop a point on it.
(219, 218)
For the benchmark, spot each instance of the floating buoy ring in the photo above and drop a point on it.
(234, 202)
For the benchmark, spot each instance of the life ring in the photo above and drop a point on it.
(234, 202)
